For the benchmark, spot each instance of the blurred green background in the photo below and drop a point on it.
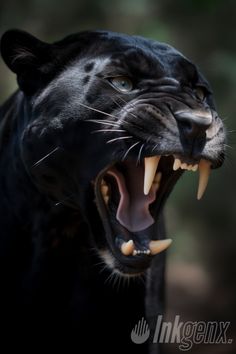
(201, 270)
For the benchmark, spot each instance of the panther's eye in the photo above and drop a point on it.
(200, 92)
(122, 83)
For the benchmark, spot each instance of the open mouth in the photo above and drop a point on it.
(130, 197)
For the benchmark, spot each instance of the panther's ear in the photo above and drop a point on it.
(25, 55)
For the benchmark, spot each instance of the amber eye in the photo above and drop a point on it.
(200, 93)
(122, 83)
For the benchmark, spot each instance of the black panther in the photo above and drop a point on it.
(92, 143)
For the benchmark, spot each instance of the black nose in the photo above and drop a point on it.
(193, 124)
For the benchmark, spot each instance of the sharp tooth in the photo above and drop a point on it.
(106, 199)
(189, 167)
(177, 164)
(204, 173)
(135, 253)
(159, 246)
(127, 248)
(104, 189)
(150, 167)
(183, 166)
(195, 167)
(103, 183)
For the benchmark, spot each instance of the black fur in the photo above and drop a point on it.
(54, 288)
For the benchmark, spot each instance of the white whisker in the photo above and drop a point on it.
(139, 154)
(109, 130)
(120, 138)
(125, 109)
(60, 202)
(228, 146)
(97, 110)
(130, 148)
(122, 99)
(155, 146)
(112, 124)
(110, 277)
(45, 157)
(101, 121)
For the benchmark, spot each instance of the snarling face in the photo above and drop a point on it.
(113, 122)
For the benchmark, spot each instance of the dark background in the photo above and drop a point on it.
(201, 268)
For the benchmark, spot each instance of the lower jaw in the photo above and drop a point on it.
(131, 265)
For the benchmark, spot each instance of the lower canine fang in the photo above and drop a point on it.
(127, 248)
(159, 245)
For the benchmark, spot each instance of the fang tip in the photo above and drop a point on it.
(204, 174)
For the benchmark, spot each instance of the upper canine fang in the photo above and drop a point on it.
(150, 167)
(204, 174)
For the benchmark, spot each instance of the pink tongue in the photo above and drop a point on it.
(133, 209)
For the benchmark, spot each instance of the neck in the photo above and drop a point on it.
(48, 249)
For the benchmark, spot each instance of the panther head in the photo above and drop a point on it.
(111, 123)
